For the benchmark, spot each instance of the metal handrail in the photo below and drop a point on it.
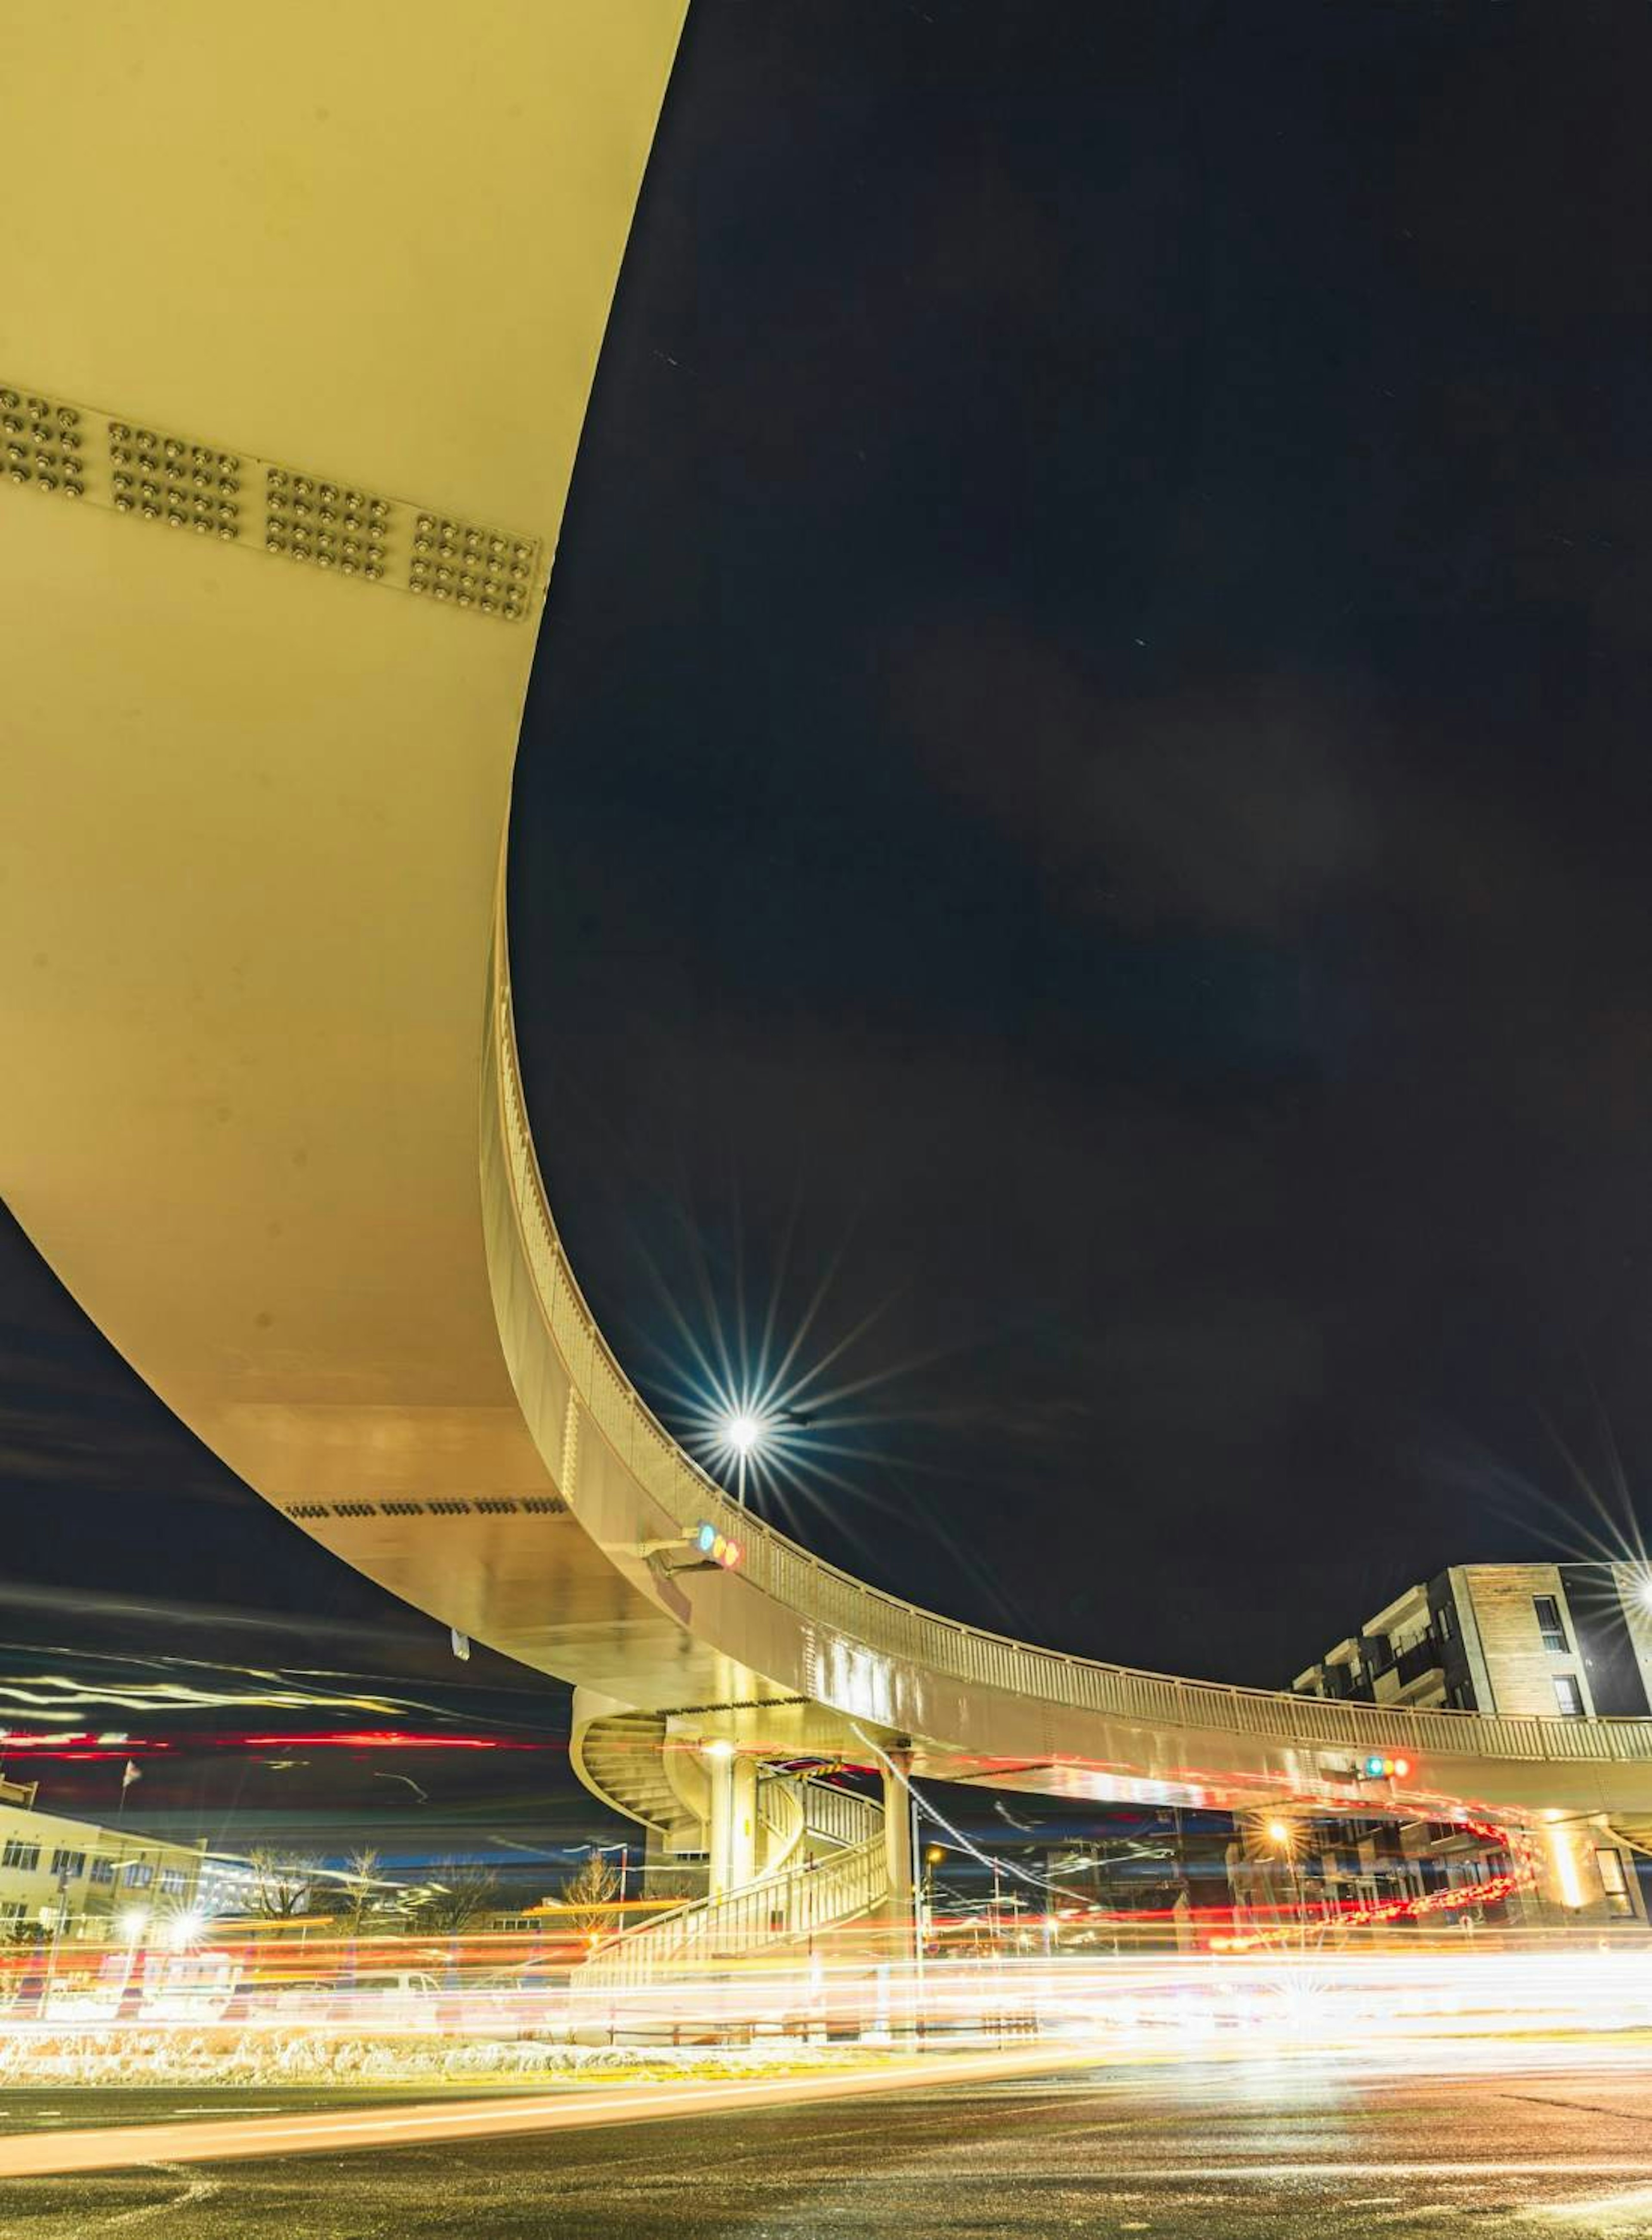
(780, 1815)
(838, 1816)
(802, 1901)
(825, 1596)
(779, 1810)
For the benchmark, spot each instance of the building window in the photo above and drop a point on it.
(1568, 1695)
(172, 1881)
(1614, 1881)
(1444, 1621)
(1549, 1624)
(68, 1866)
(103, 1871)
(23, 1855)
(11, 1916)
(139, 1874)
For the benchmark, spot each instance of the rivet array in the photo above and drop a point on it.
(331, 524)
(44, 442)
(162, 477)
(157, 475)
(471, 565)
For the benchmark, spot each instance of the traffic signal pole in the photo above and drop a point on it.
(900, 1808)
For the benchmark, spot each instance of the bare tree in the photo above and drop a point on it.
(455, 1902)
(365, 1889)
(283, 1884)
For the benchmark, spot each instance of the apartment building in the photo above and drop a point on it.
(1486, 1637)
(1479, 1638)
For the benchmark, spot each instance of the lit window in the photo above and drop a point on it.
(1568, 1695)
(103, 1870)
(139, 1874)
(1549, 1624)
(172, 1883)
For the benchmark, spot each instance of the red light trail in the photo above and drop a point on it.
(80, 1748)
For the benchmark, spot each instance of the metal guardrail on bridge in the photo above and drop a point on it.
(822, 1595)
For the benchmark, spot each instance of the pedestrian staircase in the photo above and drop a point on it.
(825, 1865)
(623, 1757)
(810, 1898)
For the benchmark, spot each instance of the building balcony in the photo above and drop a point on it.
(1422, 1658)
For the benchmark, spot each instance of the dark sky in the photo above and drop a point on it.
(1087, 775)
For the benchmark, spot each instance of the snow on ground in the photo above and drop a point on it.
(139, 2055)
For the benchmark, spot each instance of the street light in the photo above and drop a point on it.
(744, 1432)
(1285, 1835)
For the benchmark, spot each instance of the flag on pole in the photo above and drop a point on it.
(131, 1775)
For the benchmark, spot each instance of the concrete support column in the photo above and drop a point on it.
(1562, 1859)
(733, 1783)
(743, 1835)
(719, 1757)
(898, 1854)
(1583, 1872)
(1568, 1875)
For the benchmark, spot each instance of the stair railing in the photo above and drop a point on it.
(804, 1900)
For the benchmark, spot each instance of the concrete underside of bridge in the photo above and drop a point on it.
(261, 1111)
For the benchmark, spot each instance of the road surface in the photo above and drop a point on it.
(1280, 2150)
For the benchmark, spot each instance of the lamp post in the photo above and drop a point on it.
(59, 1915)
(133, 1923)
(934, 1856)
(744, 1433)
(1282, 1836)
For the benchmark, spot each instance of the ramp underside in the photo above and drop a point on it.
(343, 274)
(255, 805)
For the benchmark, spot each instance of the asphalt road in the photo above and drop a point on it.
(1229, 2151)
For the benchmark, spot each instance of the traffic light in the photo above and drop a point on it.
(718, 1549)
(1376, 1768)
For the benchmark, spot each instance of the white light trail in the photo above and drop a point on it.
(59, 1695)
(1368, 2019)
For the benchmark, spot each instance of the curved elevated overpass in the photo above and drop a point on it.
(263, 1112)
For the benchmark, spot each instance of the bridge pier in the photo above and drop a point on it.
(733, 1841)
(1584, 1873)
(897, 1852)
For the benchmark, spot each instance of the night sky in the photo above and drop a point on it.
(1085, 787)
